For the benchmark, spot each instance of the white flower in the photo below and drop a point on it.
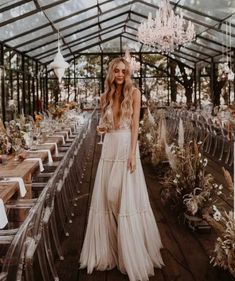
(205, 162)
(217, 215)
(214, 207)
(149, 137)
(175, 181)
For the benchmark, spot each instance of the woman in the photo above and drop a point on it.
(121, 228)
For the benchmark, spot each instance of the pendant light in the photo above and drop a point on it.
(59, 64)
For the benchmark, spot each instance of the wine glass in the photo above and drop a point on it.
(36, 135)
(101, 129)
(16, 149)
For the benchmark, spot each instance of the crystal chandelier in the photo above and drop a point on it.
(224, 70)
(134, 65)
(167, 31)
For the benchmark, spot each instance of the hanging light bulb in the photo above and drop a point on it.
(59, 64)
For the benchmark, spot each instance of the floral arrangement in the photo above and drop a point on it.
(224, 250)
(5, 144)
(58, 111)
(186, 187)
(38, 118)
(223, 222)
(15, 135)
(71, 105)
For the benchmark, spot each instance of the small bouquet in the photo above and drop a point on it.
(38, 118)
(15, 135)
(224, 251)
(5, 144)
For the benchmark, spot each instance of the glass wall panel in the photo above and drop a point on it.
(2, 99)
(88, 92)
(18, 10)
(6, 57)
(215, 8)
(111, 45)
(14, 85)
(23, 25)
(156, 89)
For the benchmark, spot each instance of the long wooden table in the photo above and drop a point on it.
(7, 190)
(24, 169)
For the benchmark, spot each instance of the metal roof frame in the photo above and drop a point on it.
(104, 31)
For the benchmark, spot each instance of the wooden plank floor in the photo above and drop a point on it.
(185, 253)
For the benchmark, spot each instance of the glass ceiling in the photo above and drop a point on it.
(91, 26)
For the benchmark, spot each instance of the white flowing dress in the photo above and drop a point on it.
(121, 229)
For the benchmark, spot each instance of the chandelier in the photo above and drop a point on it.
(167, 31)
(225, 71)
(134, 65)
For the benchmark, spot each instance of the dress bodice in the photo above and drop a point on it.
(122, 124)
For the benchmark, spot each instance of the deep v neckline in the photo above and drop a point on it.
(114, 125)
(111, 108)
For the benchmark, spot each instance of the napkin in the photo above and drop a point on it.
(56, 147)
(36, 159)
(20, 182)
(50, 161)
(3, 215)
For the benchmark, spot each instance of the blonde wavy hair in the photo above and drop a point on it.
(126, 109)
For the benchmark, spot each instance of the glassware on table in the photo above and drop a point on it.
(16, 150)
(36, 135)
(101, 129)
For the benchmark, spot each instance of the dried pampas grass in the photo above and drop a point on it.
(181, 134)
(228, 179)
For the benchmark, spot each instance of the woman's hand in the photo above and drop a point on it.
(131, 163)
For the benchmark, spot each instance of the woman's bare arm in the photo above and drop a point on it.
(134, 130)
(102, 102)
